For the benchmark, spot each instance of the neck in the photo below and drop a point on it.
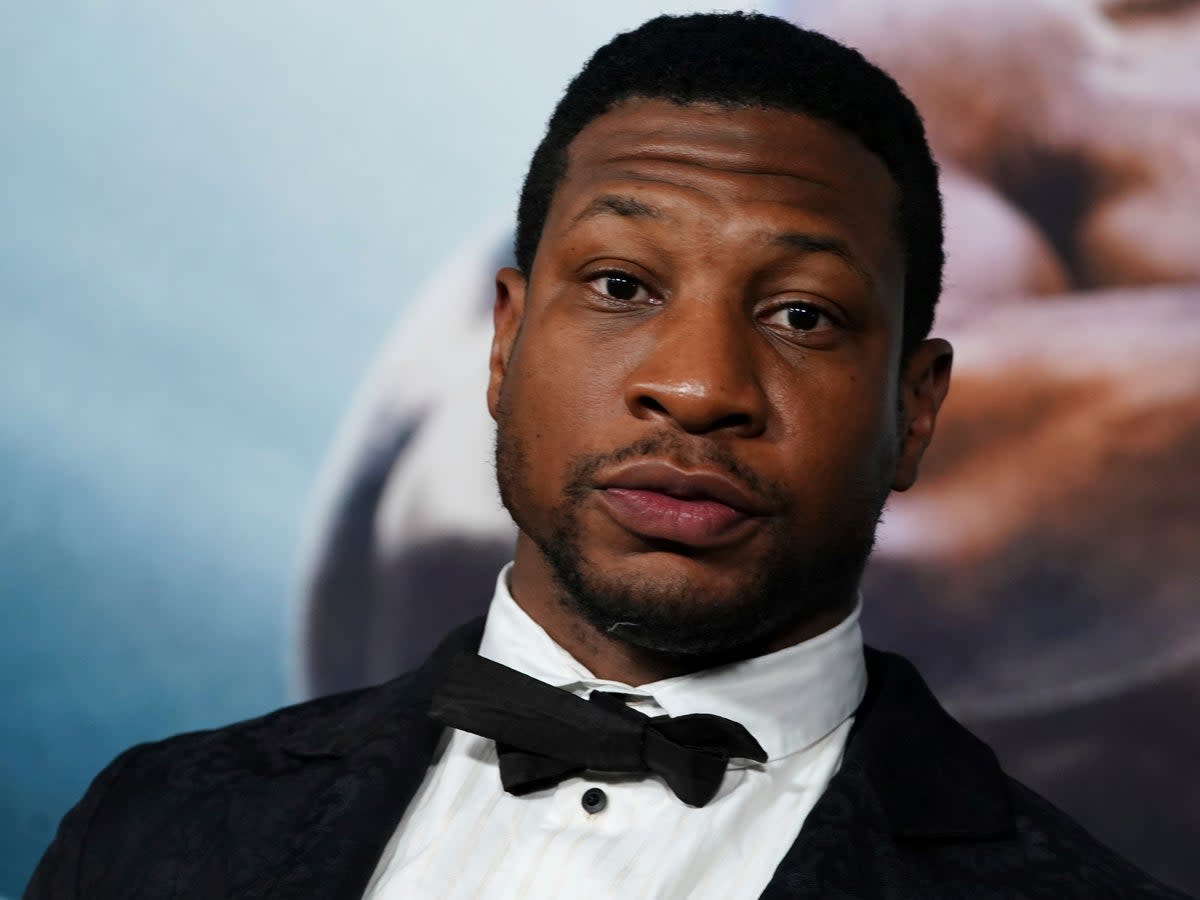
(536, 591)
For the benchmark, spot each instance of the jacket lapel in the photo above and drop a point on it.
(356, 774)
(913, 783)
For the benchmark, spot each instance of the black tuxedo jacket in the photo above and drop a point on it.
(300, 803)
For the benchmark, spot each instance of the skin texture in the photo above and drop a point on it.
(655, 327)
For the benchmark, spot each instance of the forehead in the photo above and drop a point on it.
(749, 166)
(749, 139)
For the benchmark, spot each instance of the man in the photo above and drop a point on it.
(709, 370)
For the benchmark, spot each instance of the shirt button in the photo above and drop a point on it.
(593, 801)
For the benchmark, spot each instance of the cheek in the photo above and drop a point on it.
(561, 395)
(572, 376)
(839, 434)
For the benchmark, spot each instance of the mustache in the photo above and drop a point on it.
(679, 451)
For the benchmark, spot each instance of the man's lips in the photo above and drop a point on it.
(657, 500)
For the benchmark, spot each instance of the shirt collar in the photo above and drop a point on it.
(788, 699)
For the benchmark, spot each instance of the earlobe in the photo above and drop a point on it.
(507, 311)
(924, 384)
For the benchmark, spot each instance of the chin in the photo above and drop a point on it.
(672, 603)
(676, 576)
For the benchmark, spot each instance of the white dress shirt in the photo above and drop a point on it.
(463, 836)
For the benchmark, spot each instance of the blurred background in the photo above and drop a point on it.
(245, 261)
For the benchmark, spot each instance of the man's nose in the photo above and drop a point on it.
(699, 372)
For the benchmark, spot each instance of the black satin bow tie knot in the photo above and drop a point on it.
(544, 735)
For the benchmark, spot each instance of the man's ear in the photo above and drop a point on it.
(924, 382)
(507, 312)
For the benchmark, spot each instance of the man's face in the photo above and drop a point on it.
(698, 391)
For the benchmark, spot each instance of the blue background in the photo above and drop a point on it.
(212, 212)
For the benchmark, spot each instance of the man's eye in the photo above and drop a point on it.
(799, 317)
(620, 287)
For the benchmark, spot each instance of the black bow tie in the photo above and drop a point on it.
(544, 734)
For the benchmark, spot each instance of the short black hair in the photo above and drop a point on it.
(750, 60)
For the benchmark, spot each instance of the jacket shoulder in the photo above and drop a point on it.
(958, 823)
(1070, 861)
(264, 744)
(185, 790)
(206, 807)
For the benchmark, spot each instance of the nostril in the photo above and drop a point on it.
(648, 402)
(733, 422)
(693, 414)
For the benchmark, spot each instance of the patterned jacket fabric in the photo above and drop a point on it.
(300, 803)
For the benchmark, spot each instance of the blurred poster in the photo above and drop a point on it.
(214, 212)
(1044, 572)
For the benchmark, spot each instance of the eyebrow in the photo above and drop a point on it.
(819, 243)
(805, 242)
(628, 207)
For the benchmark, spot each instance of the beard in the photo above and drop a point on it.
(796, 579)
